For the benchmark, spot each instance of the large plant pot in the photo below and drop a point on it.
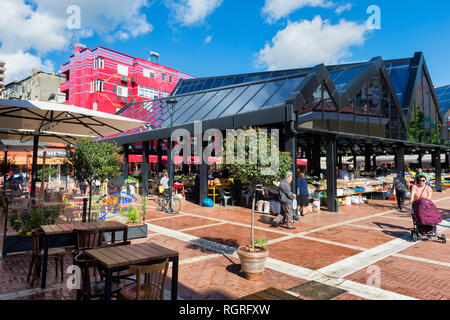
(252, 263)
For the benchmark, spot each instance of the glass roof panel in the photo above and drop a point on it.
(217, 82)
(187, 113)
(346, 78)
(242, 100)
(284, 92)
(180, 109)
(399, 75)
(214, 113)
(262, 96)
(208, 106)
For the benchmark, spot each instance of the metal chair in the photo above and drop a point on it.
(153, 286)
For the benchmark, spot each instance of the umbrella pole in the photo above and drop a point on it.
(5, 164)
(41, 193)
(34, 164)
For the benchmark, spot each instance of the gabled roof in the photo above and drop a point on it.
(269, 97)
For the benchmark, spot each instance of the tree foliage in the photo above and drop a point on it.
(90, 160)
(250, 172)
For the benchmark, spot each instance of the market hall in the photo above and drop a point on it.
(373, 108)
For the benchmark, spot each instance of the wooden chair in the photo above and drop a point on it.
(87, 239)
(153, 286)
(38, 254)
(89, 289)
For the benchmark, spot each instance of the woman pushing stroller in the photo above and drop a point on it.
(424, 212)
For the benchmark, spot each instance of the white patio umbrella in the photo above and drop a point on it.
(29, 120)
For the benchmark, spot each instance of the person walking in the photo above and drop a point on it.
(286, 197)
(400, 186)
(302, 186)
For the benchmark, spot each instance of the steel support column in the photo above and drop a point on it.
(374, 161)
(437, 172)
(400, 158)
(290, 145)
(145, 165)
(368, 165)
(126, 153)
(316, 157)
(34, 165)
(419, 160)
(203, 190)
(159, 154)
(5, 168)
(447, 160)
(331, 150)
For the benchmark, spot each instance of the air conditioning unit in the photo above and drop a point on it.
(123, 99)
(124, 78)
(133, 79)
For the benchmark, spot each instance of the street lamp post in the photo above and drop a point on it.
(171, 102)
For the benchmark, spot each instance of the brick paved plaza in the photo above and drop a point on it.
(337, 255)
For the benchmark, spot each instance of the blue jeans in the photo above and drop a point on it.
(400, 194)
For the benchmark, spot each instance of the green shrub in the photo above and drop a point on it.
(133, 215)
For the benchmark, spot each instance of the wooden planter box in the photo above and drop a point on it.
(18, 243)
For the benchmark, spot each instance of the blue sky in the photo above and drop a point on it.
(244, 36)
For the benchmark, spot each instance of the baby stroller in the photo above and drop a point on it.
(425, 220)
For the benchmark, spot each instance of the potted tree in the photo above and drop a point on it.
(255, 174)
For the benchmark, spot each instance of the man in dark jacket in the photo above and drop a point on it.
(286, 197)
(401, 186)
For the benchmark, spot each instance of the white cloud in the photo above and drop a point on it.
(276, 9)
(19, 65)
(208, 39)
(342, 8)
(192, 12)
(29, 30)
(22, 28)
(117, 18)
(307, 43)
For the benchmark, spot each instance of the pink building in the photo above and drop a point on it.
(106, 80)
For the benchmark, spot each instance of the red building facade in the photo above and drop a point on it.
(106, 80)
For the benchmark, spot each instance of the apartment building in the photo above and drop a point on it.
(106, 80)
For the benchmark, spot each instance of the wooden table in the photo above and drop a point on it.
(119, 258)
(66, 234)
(270, 294)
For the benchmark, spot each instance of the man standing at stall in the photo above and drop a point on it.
(286, 197)
(400, 186)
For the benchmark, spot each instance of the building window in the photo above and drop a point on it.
(170, 79)
(163, 77)
(96, 85)
(147, 92)
(94, 106)
(99, 63)
(122, 91)
(123, 70)
(61, 96)
(149, 73)
(163, 94)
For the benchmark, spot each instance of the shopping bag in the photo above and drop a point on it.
(294, 204)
